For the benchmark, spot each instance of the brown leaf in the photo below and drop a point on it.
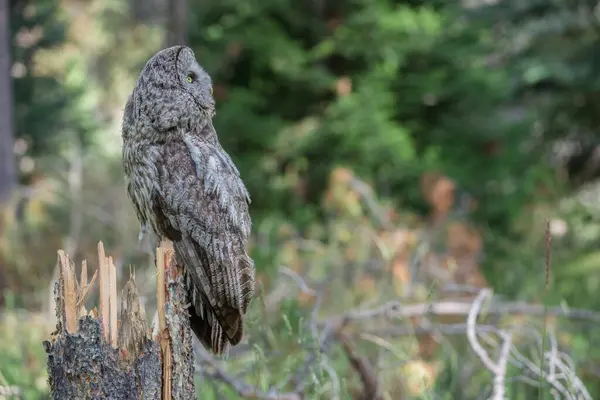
(442, 196)
(366, 285)
(341, 175)
(220, 92)
(333, 24)
(428, 180)
(343, 86)
(305, 299)
(462, 241)
(234, 49)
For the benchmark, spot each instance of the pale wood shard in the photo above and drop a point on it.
(69, 298)
(83, 279)
(113, 301)
(160, 291)
(81, 311)
(104, 291)
(161, 263)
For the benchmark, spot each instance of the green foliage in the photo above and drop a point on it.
(22, 357)
(48, 93)
(303, 89)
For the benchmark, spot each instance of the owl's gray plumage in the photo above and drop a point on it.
(185, 188)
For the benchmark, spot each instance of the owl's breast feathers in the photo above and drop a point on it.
(201, 204)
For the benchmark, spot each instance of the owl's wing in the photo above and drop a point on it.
(127, 131)
(204, 209)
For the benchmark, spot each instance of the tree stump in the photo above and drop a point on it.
(93, 356)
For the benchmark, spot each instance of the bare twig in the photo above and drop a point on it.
(335, 380)
(298, 280)
(560, 375)
(363, 367)
(497, 368)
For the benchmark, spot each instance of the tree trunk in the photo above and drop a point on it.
(177, 23)
(149, 11)
(8, 176)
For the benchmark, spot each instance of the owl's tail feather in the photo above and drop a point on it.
(215, 323)
(208, 330)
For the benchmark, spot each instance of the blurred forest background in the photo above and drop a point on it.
(407, 151)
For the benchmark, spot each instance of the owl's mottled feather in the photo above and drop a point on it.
(186, 188)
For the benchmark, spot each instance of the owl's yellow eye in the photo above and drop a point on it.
(211, 90)
(190, 78)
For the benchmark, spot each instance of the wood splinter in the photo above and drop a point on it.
(164, 257)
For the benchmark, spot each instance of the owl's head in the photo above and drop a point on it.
(173, 90)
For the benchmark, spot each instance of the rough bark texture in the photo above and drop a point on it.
(181, 346)
(178, 336)
(89, 359)
(83, 366)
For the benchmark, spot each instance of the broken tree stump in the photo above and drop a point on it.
(174, 327)
(93, 356)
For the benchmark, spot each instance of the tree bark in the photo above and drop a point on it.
(177, 24)
(100, 358)
(84, 366)
(149, 11)
(8, 177)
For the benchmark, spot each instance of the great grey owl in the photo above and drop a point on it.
(186, 188)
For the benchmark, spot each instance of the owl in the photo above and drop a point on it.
(185, 188)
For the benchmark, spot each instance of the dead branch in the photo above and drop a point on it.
(498, 368)
(363, 367)
(558, 373)
(459, 307)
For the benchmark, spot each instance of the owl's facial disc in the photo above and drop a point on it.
(195, 81)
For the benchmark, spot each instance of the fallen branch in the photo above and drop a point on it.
(560, 374)
(395, 309)
(363, 367)
(497, 368)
